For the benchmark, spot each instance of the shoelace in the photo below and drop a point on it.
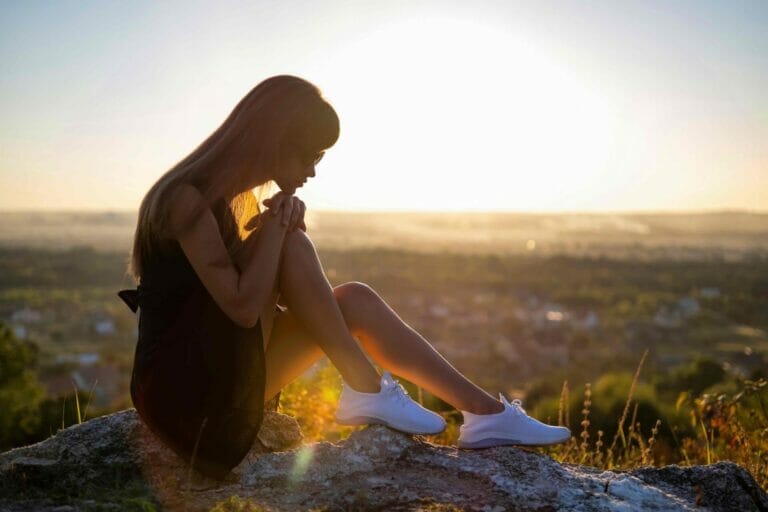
(517, 404)
(399, 392)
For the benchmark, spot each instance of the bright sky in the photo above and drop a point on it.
(506, 105)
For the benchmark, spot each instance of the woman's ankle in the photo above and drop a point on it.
(485, 408)
(362, 386)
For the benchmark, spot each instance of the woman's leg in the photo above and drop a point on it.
(397, 347)
(291, 351)
(354, 307)
(308, 294)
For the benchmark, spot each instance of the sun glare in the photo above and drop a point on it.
(463, 115)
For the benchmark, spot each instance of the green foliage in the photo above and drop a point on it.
(609, 397)
(28, 415)
(694, 377)
(16, 356)
(20, 392)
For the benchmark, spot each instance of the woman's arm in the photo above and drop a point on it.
(241, 295)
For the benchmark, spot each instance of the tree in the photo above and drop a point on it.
(20, 391)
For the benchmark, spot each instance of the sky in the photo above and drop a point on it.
(444, 105)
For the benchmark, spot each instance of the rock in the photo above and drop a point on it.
(115, 463)
(278, 432)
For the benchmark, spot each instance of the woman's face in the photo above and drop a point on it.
(296, 166)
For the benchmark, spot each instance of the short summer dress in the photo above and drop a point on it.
(198, 378)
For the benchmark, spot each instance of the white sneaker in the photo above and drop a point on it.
(391, 406)
(510, 426)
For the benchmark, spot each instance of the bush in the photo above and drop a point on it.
(20, 391)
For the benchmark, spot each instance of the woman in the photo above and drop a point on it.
(214, 343)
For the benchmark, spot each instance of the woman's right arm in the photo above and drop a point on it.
(241, 295)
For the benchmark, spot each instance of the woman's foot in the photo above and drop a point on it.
(391, 406)
(510, 426)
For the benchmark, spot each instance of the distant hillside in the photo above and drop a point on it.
(730, 234)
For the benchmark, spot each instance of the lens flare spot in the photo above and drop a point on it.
(300, 465)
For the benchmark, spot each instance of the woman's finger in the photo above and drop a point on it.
(275, 202)
(287, 211)
(281, 200)
(302, 212)
(295, 212)
(273, 205)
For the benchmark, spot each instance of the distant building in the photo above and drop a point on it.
(506, 349)
(555, 316)
(84, 359)
(688, 306)
(667, 318)
(104, 327)
(439, 310)
(670, 317)
(549, 315)
(588, 322)
(19, 331)
(26, 315)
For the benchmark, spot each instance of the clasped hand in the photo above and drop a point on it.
(290, 208)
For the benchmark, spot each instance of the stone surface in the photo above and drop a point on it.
(115, 463)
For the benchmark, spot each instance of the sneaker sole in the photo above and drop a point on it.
(368, 420)
(490, 442)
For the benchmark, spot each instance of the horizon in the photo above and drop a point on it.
(712, 211)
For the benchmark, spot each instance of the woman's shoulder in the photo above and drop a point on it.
(183, 203)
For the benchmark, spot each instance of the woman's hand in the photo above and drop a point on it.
(290, 207)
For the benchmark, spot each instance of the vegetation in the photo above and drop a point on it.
(28, 414)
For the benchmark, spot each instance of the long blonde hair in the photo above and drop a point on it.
(280, 110)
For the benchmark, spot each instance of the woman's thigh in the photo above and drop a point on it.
(291, 351)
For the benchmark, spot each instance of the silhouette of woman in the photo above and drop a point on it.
(211, 266)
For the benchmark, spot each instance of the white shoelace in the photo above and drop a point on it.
(399, 392)
(516, 403)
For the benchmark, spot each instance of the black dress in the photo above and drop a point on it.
(198, 378)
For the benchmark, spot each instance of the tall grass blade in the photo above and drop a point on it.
(563, 404)
(77, 404)
(90, 394)
(620, 430)
(706, 441)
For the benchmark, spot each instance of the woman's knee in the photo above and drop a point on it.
(297, 243)
(355, 299)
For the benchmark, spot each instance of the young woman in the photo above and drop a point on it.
(211, 265)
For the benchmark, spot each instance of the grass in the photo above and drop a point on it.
(80, 417)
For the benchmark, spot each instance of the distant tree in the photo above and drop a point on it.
(20, 391)
(694, 377)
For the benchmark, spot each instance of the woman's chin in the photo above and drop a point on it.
(287, 189)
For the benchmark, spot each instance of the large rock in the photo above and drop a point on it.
(115, 463)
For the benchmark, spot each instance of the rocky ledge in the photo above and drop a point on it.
(115, 463)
